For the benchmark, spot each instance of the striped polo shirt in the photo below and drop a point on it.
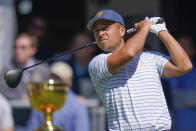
(133, 97)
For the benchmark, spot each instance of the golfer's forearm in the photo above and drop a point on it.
(136, 43)
(179, 56)
(125, 55)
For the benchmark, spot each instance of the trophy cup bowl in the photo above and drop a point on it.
(47, 97)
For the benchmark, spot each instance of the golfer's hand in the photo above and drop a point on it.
(156, 28)
(144, 24)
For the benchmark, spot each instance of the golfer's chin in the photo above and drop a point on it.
(106, 49)
(104, 46)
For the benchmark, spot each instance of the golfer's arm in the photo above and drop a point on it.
(131, 48)
(180, 62)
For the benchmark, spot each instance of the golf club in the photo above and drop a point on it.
(13, 77)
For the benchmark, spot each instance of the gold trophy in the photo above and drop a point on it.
(47, 97)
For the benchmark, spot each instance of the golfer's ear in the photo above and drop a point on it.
(122, 30)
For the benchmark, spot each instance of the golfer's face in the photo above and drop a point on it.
(107, 35)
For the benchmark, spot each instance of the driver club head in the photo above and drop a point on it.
(13, 77)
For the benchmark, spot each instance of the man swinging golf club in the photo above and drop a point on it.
(127, 79)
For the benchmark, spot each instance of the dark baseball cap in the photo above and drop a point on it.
(110, 15)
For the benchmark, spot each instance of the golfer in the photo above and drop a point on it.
(127, 79)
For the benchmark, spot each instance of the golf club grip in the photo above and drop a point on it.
(161, 20)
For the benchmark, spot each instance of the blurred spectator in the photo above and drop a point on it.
(6, 120)
(183, 92)
(73, 116)
(38, 28)
(79, 62)
(25, 49)
(7, 31)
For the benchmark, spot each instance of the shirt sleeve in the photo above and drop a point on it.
(98, 69)
(6, 119)
(160, 60)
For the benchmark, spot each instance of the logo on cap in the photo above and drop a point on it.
(99, 14)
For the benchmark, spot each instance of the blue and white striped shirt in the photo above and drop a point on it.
(133, 97)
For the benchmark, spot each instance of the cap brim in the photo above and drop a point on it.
(91, 23)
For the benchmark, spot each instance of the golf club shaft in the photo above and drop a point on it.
(87, 45)
(62, 54)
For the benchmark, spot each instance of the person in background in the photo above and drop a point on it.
(182, 92)
(6, 119)
(79, 62)
(38, 27)
(25, 49)
(73, 116)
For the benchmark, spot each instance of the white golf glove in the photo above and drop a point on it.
(156, 28)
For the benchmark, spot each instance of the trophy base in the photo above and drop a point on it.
(46, 128)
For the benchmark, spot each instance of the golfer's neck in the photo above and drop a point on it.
(120, 46)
